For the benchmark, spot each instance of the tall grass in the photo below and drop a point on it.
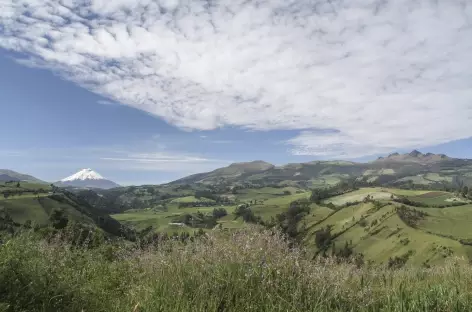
(249, 270)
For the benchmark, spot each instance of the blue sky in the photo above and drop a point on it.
(149, 91)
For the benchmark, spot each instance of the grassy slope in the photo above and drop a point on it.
(392, 237)
(23, 208)
(453, 221)
(378, 193)
(388, 242)
(24, 187)
(436, 198)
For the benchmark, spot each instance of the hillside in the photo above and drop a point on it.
(10, 175)
(35, 203)
(414, 168)
(381, 228)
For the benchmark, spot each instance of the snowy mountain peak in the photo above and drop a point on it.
(84, 174)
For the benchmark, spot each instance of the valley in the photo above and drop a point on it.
(380, 210)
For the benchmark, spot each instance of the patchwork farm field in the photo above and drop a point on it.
(265, 202)
(374, 228)
(164, 221)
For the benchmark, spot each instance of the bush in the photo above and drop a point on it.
(363, 222)
(219, 213)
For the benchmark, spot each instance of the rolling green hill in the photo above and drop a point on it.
(36, 202)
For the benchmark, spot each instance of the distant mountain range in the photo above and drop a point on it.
(395, 169)
(87, 178)
(414, 167)
(10, 175)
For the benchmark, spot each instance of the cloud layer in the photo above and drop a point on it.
(379, 74)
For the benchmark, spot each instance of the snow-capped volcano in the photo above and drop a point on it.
(87, 178)
(84, 174)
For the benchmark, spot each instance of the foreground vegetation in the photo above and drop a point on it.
(248, 270)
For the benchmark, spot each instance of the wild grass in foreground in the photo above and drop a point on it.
(249, 270)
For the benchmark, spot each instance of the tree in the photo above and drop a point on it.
(465, 191)
(219, 213)
(18, 184)
(58, 219)
(27, 224)
(323, 238)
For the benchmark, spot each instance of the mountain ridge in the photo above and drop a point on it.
(396, 166)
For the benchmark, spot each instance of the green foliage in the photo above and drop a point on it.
(399, 261)
(248, 216)
(323, 238)
(410, 216)
(465, 191)
(58, 219)
(288, 221)
(219, 213)
(197, 220)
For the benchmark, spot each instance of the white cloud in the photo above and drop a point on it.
(132, 158)
(385, 74)
(105, 102)
(170, 162)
